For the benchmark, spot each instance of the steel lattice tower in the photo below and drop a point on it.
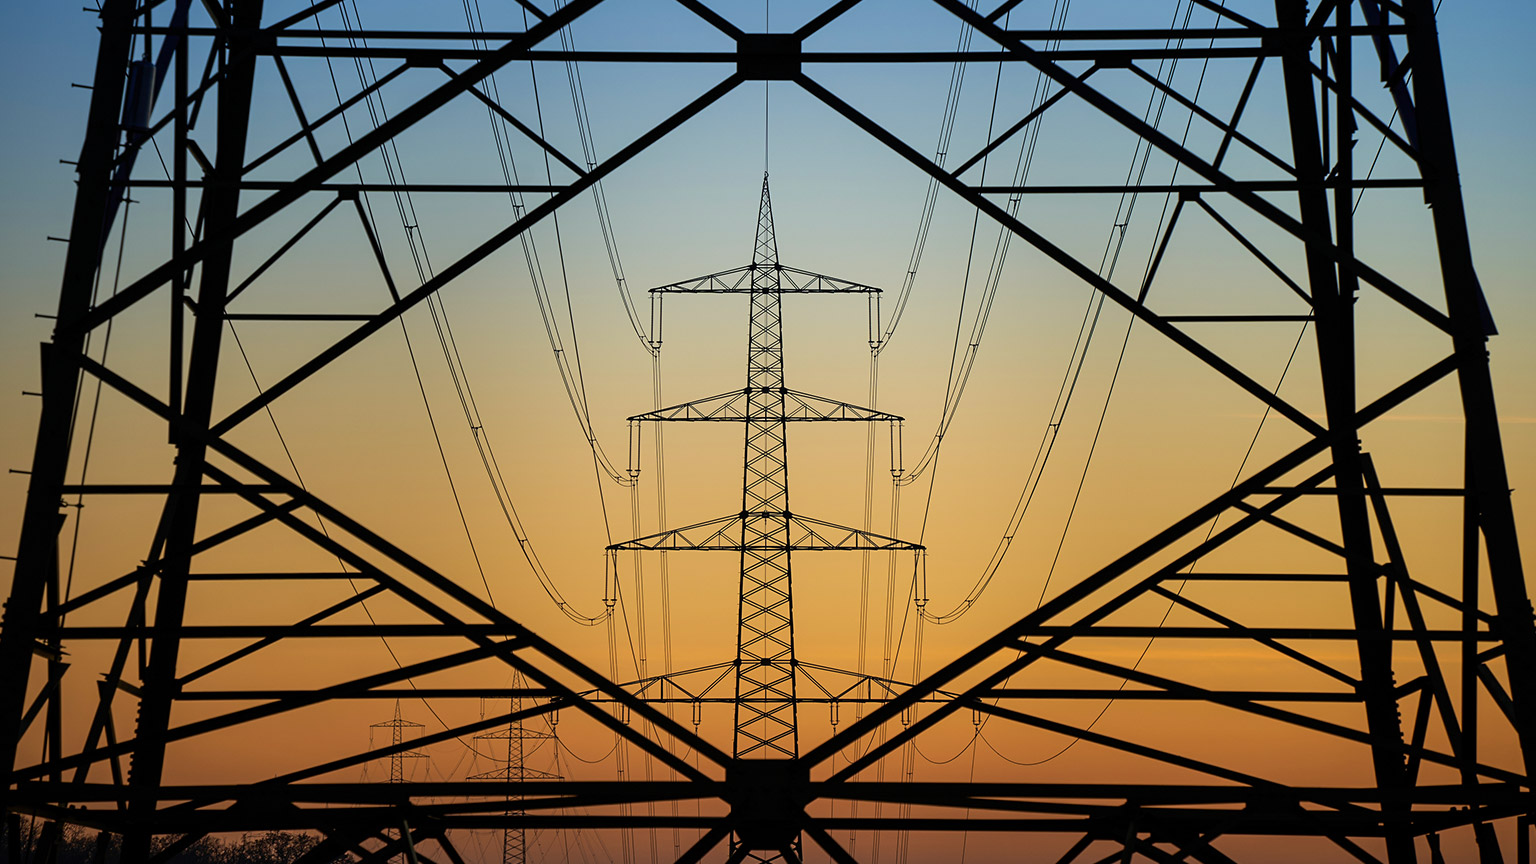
(514, 839)
(765, 644)
(397, 758)
(766, 532)
(1413, 671)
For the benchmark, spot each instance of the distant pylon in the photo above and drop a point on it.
(397, 757)
(514, 840)
(765, 675)
(766, 531)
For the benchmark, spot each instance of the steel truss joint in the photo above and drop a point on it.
(768, 56)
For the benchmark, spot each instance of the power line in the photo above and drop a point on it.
(1237, 475)
(1076, 360)
(446, 339)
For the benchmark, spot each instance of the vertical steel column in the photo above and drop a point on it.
(221, 202)
(37, 550)
(765, 648)
(1488, 484)
(179, 228)
(1333, 304)
(53, 739)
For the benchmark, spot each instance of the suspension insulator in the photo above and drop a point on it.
(634, 450)
(138, 99)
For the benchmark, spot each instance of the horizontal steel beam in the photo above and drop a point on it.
(165, 489)
(439, 630)
(1161, 695)
(352, 188)
(1311, 634)
(390, 693)
(1059, 35)
(432, 56)
(948, 793)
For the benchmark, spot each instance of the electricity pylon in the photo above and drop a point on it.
(1374, 630)
(397, 756)
(514, 772)
(766, 532)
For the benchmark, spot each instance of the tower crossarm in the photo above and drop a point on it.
(722, 534)
(798, 406)
(712, 684)
(725, 535)
(507, 772)
(792, 280)
(811, 535)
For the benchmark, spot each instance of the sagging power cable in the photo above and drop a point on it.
(447, 342)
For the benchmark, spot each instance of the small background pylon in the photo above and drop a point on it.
(397, 758)
(514, 840)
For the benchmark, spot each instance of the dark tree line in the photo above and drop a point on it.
(33, 841)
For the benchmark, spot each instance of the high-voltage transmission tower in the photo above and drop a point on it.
(1366, 638)
(514, 771)
(766, 532)
(397, 756)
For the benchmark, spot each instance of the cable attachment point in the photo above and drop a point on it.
(634, 451)
(768, 56)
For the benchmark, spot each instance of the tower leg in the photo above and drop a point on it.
(221, 205)
(1333, 297)
(37, 549)
(1489, 480)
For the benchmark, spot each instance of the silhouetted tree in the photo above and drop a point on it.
(75, 844)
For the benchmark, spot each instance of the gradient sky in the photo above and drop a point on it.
(1172, 437)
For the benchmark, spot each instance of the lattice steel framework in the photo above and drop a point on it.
(766, 532)
(1455, 651)
(397, 757)
(513, 773)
